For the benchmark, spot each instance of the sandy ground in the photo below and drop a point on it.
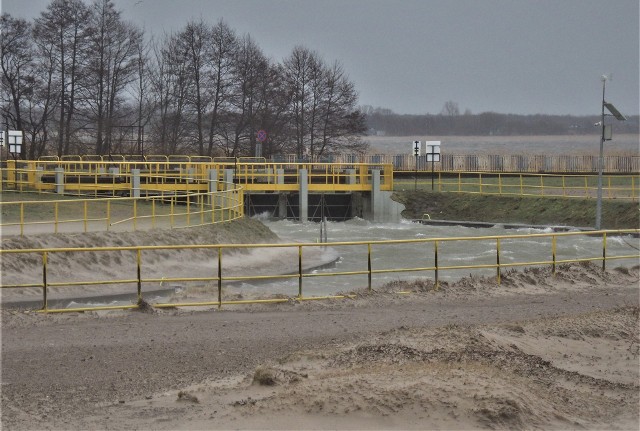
(538, 352)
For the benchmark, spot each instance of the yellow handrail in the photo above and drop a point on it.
(219, 278)
(517, 184)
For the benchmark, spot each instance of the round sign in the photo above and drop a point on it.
(262, 135)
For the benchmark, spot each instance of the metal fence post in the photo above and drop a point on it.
(219, 277)
(21, 218)
(44, 280)
(299, 271)
(153, 213)
(139, 274)
(369, 266)
(85, 216)
(435, 258)
(498, 260)
(553, 253)
(135, 213)
(55, 217)
(604, 250)
(108, 214)
(521, 188)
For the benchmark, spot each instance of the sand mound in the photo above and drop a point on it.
(498, 377)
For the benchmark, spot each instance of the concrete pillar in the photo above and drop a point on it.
(351, 176)
(135, 183)
(214, 197)
(114, 171)
(39, 171)
(228, 178)
(304, 195)
(357, 205)
(212, 177)
(376, 197)
(191, 172)
(59, 173)
(282, 206)
(280, 176)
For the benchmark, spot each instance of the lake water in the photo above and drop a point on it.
(622, 144)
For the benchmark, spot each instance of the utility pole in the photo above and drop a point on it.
(606, 135)
(416, 152)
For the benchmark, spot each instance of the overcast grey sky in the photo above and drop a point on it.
(509, 56)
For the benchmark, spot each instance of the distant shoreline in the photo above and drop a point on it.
(622, 144)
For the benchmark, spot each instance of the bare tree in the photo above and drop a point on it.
(195, 40)
(297, 69)
(342, 123)
(113, 66)
(85, 78)
(62, 28)
(41, 101)
(249, 65)
(141, 91)
(450, 108)
(221, 56)
(323, 105)
(170, 84)
(16, 62)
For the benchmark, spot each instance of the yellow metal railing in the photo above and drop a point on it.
(525, 163)
(179, 173)
(163, 209)
(514, 184)
(217, 274)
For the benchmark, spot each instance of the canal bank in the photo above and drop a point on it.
(520, 210)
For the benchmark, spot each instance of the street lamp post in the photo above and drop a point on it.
(416, 152)
(600, 161)
(606, 135)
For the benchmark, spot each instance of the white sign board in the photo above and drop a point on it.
(433, 147)
(433, 157)
(15, 141)
(433, 151)
(415, 148)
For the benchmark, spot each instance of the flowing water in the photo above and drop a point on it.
(321, 260)
(421, 255)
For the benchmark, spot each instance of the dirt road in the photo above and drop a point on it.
(537, 352)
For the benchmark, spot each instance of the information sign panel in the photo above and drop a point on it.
(14, 139)
(415, 146)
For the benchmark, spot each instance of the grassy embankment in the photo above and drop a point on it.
(616, 214)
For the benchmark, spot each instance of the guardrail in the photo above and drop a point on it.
(163, 209)
(514, 184)
(532, 163)
(84, 176)
(217, 277)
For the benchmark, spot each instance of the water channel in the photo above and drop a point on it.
(417, 254)
(333, 258)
